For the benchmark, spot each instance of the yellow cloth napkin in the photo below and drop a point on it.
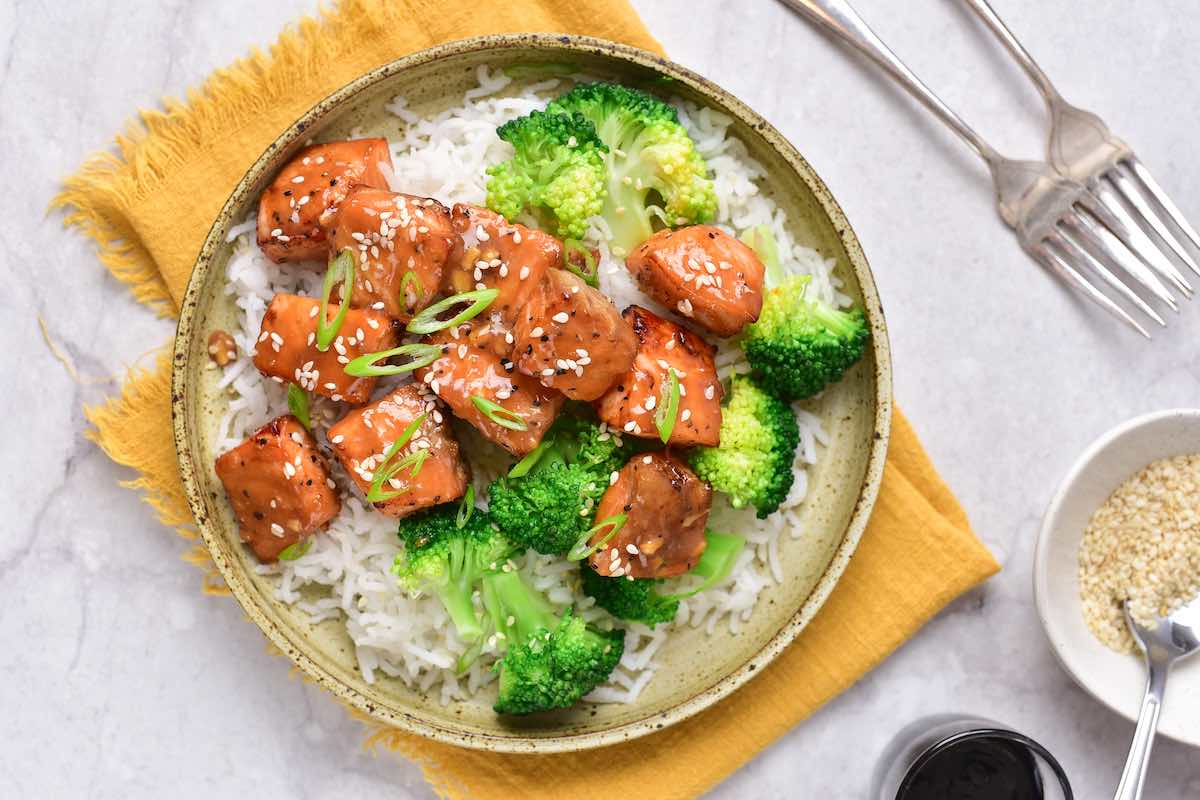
(149, 206)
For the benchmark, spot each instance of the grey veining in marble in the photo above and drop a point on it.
(118, 679)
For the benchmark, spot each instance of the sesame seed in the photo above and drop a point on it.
(298, 179)
(288, 469)
(523, 274)
(663, 364)
(303, 200)
(651, 401)
(276, 231)
(547, 372)
(537, 332)
(686, 415)
(481, 234)
(709, 391)
(631, 549)
(378, 306)
(561, 317)
(516, 237)
(276, 529)
(629, 426)
(647, 460)
(685, 307)
(338, 439)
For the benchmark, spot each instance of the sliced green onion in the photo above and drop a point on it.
(416, 460)
(762, 242)
(298, 405)
(341, 269)
(714, 566)
(581, 549)
(466, 508)
(368, 366)
(295, 550)
(385, 471)
(590, 274)
(522, 467)
(426, 320)
(668, 406)
(410, 277)
(499, 414)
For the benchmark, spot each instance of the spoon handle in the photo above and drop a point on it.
(1134, 776)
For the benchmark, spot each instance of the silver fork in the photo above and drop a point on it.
(1083, 148)
(1064, 226)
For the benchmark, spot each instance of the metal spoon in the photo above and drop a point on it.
(1171, 638)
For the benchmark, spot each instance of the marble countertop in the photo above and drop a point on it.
(119, 679)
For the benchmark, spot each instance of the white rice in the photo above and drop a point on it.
(345, 575)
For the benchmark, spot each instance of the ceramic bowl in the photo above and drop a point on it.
(1115, 679)
(695, 670)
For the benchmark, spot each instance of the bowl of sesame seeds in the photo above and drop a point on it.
(1124, 525)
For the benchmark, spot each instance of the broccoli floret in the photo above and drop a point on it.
(799, 345)
(448, 561)
(551, 506)
(638, 599)
(753, 463)
(550, 661)
(556, 172)
(653, 168)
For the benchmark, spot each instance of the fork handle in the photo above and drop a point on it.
(840, 18)
(996, 25)
(1133, 778)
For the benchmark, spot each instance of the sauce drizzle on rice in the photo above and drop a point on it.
(408, 638)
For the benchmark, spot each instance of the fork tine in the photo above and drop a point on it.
(1112, 251)
(1163, 199)
(1055, 263)
(1075, 253)
(1133, 192)
(1111, 212)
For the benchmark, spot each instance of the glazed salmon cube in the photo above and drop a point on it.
(572, 338)
(465, 370)
(666, 510)
(286, 350)
(702, 273)
(494, 253)
(362, 437)
(393, 236)
(295, 211)
(630, 405)
(279, 486)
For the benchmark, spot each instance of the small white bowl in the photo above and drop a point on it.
(1114, 679)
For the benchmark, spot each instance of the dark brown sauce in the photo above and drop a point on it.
(976, 768)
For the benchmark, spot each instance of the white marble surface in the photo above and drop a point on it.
(118, 679)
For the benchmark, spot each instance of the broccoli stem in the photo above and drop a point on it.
(836, 320)
(516, 610)
(625, 210)
(457, 600)
(716, 563)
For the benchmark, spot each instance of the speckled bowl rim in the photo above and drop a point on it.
(190, 471)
